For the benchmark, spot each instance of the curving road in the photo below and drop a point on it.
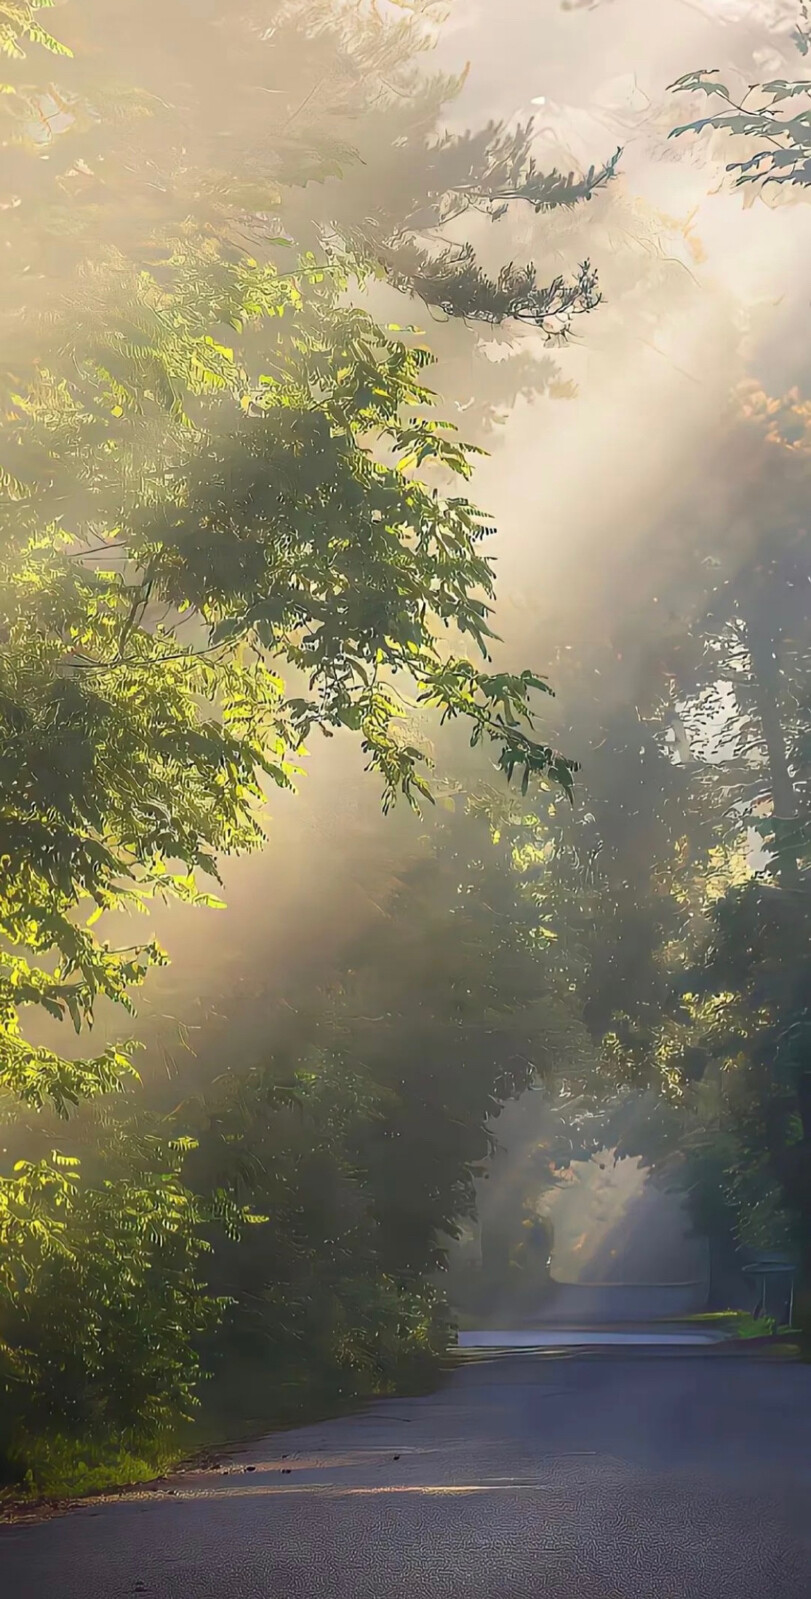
(651, 1476)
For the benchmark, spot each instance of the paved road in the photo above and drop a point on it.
(608, 1476)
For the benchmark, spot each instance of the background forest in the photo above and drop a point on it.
(271, 293)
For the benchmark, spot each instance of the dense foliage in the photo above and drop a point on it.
(678, 888)
(218, 467)
(695, 983)
(695, 977)
(736, 1028)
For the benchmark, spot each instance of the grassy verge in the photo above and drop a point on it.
(737, 1323)
(242, 1402)
(740, 1324)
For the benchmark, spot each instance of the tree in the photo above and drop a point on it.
(765, 114)
(725, 1034)
(216, 464)
(756, 658)
(360, 1126)
(157, 476)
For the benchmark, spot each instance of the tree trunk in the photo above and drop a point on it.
(766, 674)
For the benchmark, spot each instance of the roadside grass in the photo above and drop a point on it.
(241, 1402)
(739, 1323)
(60, 1467)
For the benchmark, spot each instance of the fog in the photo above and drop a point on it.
(587, 481)
(699, 292)
(405, 459)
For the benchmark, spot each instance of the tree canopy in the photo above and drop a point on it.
(233, 516)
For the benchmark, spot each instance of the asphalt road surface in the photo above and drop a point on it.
(607, 1476)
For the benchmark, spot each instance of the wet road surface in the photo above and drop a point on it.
(565, 1476)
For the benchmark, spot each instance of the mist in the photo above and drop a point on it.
(699, 293)
(428, 1063)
